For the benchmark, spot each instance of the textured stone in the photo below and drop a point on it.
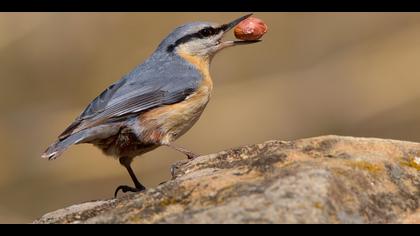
(328, 179)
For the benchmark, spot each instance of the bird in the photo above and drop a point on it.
(156, 102)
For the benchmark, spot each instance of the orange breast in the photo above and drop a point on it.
(165, 124)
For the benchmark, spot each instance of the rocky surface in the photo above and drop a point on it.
(328, 179)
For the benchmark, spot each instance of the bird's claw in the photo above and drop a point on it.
(125, 188)
(192, 156)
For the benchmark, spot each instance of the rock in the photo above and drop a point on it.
(329, 179)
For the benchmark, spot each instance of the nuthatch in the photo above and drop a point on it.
(155, 103)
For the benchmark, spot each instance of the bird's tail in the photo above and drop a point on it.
(57, 148)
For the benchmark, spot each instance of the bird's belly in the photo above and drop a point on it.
(165, 124)
(158, 126)
(123, 144)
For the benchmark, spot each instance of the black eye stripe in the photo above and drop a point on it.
(206, 32)
(203, 33)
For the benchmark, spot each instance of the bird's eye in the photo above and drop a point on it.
(206, 32)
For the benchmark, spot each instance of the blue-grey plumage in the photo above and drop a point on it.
(156, 102)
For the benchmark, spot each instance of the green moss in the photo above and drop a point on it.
(318, 205)
(168, 201)
(134, 219)
(411, 162)
(364, 165)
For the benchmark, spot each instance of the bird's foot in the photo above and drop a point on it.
(191, 155)
(125, 188)
(176, 166)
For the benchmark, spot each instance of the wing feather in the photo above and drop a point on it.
(144, 88)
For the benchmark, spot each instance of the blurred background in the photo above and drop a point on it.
(352, 74)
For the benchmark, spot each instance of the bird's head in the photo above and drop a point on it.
(201, 39)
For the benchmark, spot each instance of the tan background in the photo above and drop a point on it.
(314, 74)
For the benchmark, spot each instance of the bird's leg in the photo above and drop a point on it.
(190, 155)
(126, 162)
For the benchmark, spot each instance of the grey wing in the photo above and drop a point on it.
(96, 106)
(133, 95)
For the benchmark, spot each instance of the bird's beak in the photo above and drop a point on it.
(227, 27)
(230, 25)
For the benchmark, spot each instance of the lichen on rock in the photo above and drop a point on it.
(328, 179)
